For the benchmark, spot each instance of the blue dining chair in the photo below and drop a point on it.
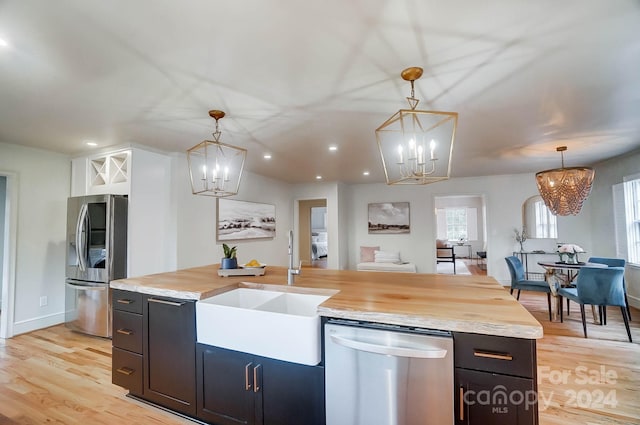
(613, 262)
(520, 283)
(598, 286)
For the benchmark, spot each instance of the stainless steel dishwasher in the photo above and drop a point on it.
(387, 375)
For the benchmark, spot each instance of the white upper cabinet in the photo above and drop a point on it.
(102, 173)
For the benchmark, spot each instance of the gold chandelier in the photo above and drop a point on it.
(416, 146)
(215, 168)
(565, 189)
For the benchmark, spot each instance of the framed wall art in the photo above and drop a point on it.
(389, 217)
(243, 220)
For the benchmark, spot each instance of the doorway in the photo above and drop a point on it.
(461, 224)
(312, 238)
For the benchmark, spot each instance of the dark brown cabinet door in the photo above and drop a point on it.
(170, 341)
(292, 394)
(226, 392)
(240, 388)
(485, 398)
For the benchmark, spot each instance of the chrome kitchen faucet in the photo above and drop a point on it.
(292, 272)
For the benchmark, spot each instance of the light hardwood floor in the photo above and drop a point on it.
(55, 376)
(588, 381)
(474, 267)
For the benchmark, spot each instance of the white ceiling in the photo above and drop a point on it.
(295, 76)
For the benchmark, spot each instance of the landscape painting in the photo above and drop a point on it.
(240, 220)
(389, 217)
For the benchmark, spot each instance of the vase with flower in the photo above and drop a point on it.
(521, 237)
(571, 251)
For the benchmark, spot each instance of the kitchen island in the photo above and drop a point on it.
(488, 326)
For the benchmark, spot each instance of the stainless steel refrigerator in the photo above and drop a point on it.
(96, 254)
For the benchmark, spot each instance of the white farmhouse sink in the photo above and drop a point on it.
(242, 298)
(280, 324)
(295, 304)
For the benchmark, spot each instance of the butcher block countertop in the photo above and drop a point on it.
(475, 304)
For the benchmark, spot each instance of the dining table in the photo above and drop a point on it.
(562, 274)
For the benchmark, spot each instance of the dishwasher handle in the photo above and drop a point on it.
(434, 353)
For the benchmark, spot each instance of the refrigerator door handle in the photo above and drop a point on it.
(425, 352)
(80, 245)
(85, 287)
(78, 236)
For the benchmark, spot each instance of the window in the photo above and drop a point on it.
(632, 213)
(545, 222)
(626, 199)
(454, 223)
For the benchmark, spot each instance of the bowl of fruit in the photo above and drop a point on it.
(253, 264)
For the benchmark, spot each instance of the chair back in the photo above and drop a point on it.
(611, 262)
(601, 286)
(515, 269)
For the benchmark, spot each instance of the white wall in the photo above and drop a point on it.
(414, 246)
(43, 180)
(504, 196)
(195, 218)
(3, 196)
(609, 173)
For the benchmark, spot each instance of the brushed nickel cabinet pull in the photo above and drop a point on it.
(256, 387)
(124, 301)
(247, 384)
(173, 303)
(490, 355)
(461, 404)
(125, 331)
(125, 371)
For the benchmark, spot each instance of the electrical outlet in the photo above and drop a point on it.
(43, 301)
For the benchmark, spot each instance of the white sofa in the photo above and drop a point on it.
(373, 259)
(387, 267)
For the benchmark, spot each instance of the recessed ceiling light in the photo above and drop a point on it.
(318, 177)
(267, 156)
(333, 148)
(365, 173)
(91, 143)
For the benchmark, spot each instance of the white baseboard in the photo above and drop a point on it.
(633, 301)
(36, 323)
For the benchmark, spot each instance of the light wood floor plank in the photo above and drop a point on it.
(55, 376)
(565, 350)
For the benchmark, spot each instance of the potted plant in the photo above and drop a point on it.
(229, 261)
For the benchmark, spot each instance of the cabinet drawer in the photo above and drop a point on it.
(127, 301)
(127, 331)
(509, 356)
(127, 370)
